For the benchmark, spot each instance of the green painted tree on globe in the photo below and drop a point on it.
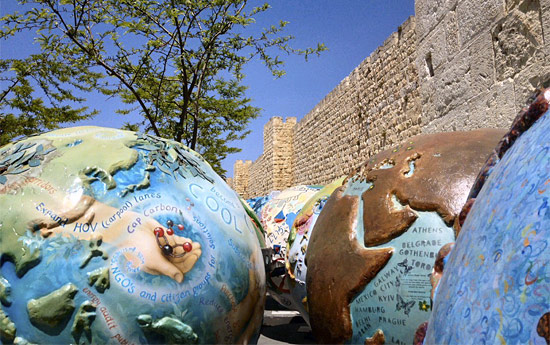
(176, 62)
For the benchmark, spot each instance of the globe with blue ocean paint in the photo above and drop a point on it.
(495, 287)
(374, 244)
(112, 236)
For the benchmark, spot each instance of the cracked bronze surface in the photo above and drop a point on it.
(377, 339)
(445, 167)
(543, 327)
(340, 267)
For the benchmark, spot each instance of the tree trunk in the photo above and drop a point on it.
(195, 133)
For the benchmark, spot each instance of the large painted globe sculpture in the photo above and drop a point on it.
(258, 203)
(111, 236)
(495, 287)
(374, 244)
(297, 243)
(277, 217)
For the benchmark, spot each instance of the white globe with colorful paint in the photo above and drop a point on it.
(277, 217)
(297, 244)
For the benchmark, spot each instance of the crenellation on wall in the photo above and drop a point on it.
(241, 177)
(456, 65)
(273, 169)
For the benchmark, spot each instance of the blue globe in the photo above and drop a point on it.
(111, 236)
(496, 284)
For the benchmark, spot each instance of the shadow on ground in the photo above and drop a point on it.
(283, 326)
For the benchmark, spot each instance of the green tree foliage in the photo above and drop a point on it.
(38, 93)
(176, 62)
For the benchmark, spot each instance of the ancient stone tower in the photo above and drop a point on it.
(241, 174)
(273, 170)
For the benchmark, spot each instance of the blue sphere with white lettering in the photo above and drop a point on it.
(112, 236)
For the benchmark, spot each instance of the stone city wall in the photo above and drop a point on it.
(375, 107)
(479, 61)
(456, 65)
(241, 177)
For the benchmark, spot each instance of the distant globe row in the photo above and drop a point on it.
(112, 236)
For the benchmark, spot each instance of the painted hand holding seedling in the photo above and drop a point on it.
(164, 253)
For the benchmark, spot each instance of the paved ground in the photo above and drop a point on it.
(282, 326)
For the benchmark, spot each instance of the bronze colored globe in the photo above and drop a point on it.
(375, 242)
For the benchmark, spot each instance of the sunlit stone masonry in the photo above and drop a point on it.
(455, 65)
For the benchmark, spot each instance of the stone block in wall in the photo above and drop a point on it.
(452, 38)
(429, 13)
(452, 86)
(517, 41)
(482, 63)
(455, 120)
(428, 94)
(432, 53)
(495, 108)
(545, 16)
(443, 83)
(477, 15)
(528, 80)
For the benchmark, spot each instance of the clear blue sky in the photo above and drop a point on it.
(351, 29)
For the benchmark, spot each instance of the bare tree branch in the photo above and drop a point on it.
(108, 68)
